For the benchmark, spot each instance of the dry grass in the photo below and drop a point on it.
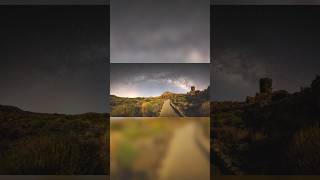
(304, 151)
(33, 143)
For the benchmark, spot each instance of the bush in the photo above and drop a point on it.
(147, 109)
(205, 109)
(224, 119)
(304, 151)
(125, 110)
(59, 154)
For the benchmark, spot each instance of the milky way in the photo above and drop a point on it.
(251, 42)
(134, 80)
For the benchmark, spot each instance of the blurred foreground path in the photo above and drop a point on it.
(185, 159)
(167, 110)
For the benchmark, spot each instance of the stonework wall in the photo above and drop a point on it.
(265, 86)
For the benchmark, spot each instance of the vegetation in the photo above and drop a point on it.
(138, 146)
(196, 105)
(135, 107)
(274, 133)
(191, 105)
(304, 151)
(39, 143)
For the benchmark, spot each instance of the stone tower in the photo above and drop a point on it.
(193, 88)
(265, 86)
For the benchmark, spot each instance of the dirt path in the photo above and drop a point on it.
(167, 110)
(185, 159)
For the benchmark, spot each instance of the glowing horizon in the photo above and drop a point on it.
(151, 80)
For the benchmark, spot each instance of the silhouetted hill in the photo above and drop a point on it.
(4, 108)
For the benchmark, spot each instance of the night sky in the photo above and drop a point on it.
(250, 42)
(159, 31)
(54, 2)
(264, 2)
(145, 80)
(54, 58)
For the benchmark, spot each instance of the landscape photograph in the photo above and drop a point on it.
(160, 148)
(53, 100)
(265, 91)
(160, 31)
(159, 90)
(159, 124)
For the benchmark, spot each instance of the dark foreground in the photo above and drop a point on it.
(39, 143)
(273, 133)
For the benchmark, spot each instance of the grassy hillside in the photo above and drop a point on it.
(135, 107)
(39, 143)
(190, 105)
(271, 136)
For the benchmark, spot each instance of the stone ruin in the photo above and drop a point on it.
(193, 91)
(265, 86)
(266, 95)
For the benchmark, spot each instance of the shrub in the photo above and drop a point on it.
(156, 109)
(125, 110)
(58, 154)
(205, 109)
(147, 109)
(304, 151)
(228, 119)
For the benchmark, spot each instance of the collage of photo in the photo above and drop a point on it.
(160, 90)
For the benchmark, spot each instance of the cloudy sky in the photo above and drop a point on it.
(145, 80)
(160, 31)
(54, 58)
(250, 42)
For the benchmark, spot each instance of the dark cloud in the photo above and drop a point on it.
(54, 58)
(132, 80)
(251, 42)
(160, 31)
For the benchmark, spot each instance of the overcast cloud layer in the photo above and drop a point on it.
(157, 31)
(145, 80)
(251, 42)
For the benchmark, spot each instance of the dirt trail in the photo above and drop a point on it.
(185, 159)
(167, 110)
